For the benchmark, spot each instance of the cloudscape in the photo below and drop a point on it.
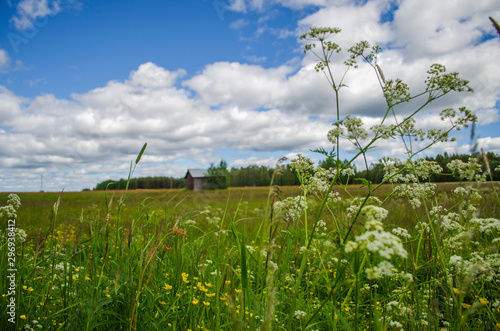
(84, 84)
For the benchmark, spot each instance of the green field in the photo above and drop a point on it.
(37, 208)
(227, 260)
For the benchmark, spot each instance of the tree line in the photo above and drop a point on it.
(142, 183)
(220, 177)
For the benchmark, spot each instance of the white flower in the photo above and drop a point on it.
(350, 246)
(401, 233)
(486, 225)
(250, 249)
(20, 235)
(395, 324)
(190, 222)
(299, 314)
(291, 207)
(384, 243)
(470, 170)
(384, 268)
(272, 266)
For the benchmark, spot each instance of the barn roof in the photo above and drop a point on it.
(197, 173)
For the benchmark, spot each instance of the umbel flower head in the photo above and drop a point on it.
(377, 242)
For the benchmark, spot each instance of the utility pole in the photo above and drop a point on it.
(41, 183)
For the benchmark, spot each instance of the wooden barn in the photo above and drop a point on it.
(196, 179)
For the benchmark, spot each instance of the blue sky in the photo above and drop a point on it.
(90, 43)
(84, 84)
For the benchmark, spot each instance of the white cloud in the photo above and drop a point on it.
(489, 144)
(150, 75)
(255, 59)
(238, 24)
(108, 125)
(4, 60)
(10, 106)
(28, 11)
(237, 6)
(428, 28)
(242, 84)
(358, 22)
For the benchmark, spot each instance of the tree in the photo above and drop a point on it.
(218, 176)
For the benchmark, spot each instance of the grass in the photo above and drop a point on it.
(220, 260)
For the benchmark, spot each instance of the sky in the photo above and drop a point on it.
(85, 83)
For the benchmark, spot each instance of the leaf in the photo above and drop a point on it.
(495, 24)
(321, 150)
(364, 181)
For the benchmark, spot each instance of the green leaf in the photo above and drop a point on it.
(364, 181)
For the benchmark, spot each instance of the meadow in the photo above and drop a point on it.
(405, 254)
(228, 260)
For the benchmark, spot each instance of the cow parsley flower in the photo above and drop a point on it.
(401, 233)
(299, 314)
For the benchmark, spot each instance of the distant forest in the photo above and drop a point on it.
(261, 175)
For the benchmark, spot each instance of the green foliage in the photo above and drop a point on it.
(218, 176)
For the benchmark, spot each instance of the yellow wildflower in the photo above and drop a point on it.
(23, 317)
(206, 303)
(167, 287)
(184, 277)
(195, 301)
(465, 305)
(484, 301)
(201, 287)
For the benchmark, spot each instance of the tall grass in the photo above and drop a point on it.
(238, 268)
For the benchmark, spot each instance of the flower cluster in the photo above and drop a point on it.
(469, 171)
(377, 242)
(299, 314)
(291, 207)
(351, 125)
(13, 204)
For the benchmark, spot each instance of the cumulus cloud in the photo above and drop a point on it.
(150, 75)
(242, 84)
(358, 22)
(489, 144)
(108, 125)
(427, 28)
(10, 106)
